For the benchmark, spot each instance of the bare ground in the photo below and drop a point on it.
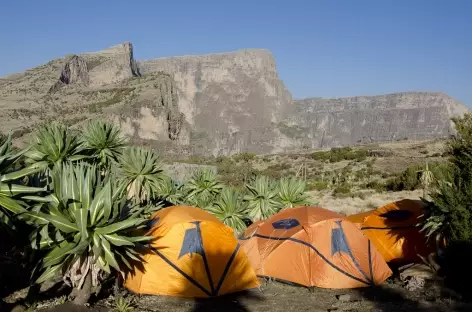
(277, 297)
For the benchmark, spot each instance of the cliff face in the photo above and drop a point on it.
(352, 120)
(229, 101)
(217, 104)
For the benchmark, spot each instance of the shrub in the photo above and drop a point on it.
(244, 157)
(317, 185)
(337, 154)
(409, 179)
(451, 209)
(343, 190)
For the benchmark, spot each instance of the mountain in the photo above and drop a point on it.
(217, 104)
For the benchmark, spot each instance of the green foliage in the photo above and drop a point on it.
(342, 190)
(171, 191)
(84, 226)
(54, 145)
(234, 174)
(317, 185)
(140, 170)
(262, 198)
(11, 189)
(337, 154)
(450, 213)
(230, 209)
(410, 178)
(103, 141)
(202, 188)
(244, 157)
(292, 192)
(123, 305)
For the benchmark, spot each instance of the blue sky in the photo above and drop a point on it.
(322, 48)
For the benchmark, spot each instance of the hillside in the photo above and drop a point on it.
(218, 104)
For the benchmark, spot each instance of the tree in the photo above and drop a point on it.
(262, 198)
(85, 227)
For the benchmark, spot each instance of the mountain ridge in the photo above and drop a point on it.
(171, 103)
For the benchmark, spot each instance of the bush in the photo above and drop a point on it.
(337, 154)
(376, 185)
(409, 179)
(343, 190)
(317, 185)
(244, 157)
(451, 209)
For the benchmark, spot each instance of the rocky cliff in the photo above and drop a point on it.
(215, 104)
(321, 123)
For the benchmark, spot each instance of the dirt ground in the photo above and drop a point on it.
(277, 297)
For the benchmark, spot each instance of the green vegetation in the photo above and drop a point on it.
(85, 197)
(337, 154)
(119, 95)
(410, 178)
(451, 208)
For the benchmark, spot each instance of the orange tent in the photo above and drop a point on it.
(392, 229)
(193, 255)
(313, 246)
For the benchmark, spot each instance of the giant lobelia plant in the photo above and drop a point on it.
(231, 210)
(54, 144)
(262, 199)
(140, 170)
(292, 192)
(103, 141)
(12, 191)
(85, 228)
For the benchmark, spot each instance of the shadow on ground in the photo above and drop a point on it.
(237, 302)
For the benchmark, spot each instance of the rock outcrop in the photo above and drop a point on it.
(101, 68)
(321, 123)
(217, 104)
(230, 101)
(75, 71)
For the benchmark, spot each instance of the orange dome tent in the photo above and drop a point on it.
(313, 246)
(392, 229)
(193, 255)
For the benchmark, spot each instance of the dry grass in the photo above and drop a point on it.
(351, 205)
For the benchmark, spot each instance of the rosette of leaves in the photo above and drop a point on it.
(203, 188)
(12, 190)
(54, 144)
(292, 192)
(231, 210)
(85, 228)
(262, 198)
(140, 170)
(103, 141)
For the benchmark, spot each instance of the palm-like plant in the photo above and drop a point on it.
(262, 199)
(230, 209)
(54, 145)
(103, 141)
(86, 228)
(141, 172)
(292, 192)
(171, 191)
(11, 191)
(203, 188)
